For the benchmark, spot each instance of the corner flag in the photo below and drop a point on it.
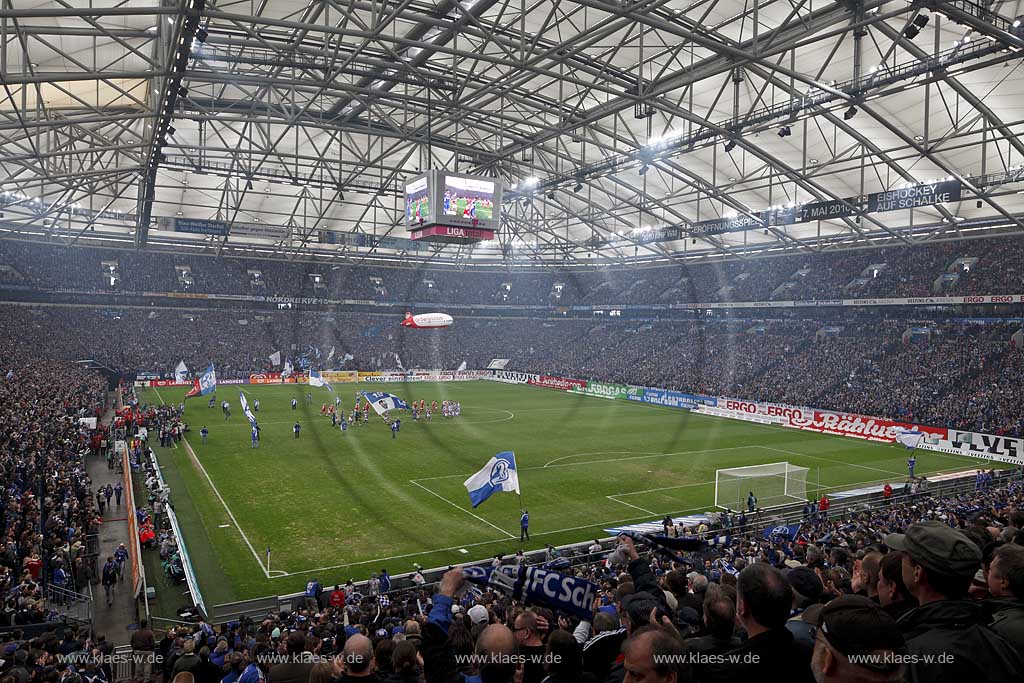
(499, 474)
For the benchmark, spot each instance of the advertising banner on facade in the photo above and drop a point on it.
(512, 377)
(603, 390)
(340, 376)
(563, 383)
(672, 399)
(988, 446)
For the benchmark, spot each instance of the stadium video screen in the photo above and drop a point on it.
(417, 201)
(469, 198)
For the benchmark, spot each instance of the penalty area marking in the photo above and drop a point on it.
(456, 505)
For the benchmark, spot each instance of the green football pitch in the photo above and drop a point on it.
(483, 212)
(336, 506)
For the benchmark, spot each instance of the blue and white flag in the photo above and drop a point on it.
(782, 531)
(383, 402)
(246, 409)
(180, 371)
(288, 369)
(499, 474)
(275, 358)
(330, 355)
(538, 586)
(910, 438)
(317, 380)
(205, 384)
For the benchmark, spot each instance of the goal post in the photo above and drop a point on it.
(773, 484)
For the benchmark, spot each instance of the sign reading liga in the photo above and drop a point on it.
(602, 390)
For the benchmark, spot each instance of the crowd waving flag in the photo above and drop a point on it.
(317, 380)
(499, 474)
(180, 371)
(205, 384)
(275, 358)
(383, 402)
(246, 410)
(782, 531)
(288, 369)
(539, 586)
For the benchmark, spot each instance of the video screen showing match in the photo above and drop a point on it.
(417, 201)
(468, 198)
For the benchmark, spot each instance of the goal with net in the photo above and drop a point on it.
(773, 484)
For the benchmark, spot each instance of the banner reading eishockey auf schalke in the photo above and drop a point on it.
(603, 390)
(673, 399)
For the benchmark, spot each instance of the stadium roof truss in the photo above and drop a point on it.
(602, 118)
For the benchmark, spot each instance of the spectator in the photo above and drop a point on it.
(1006, 585)
(298, 663)
(765, 598)
(852, 625)
(938, 564)
(655, 655)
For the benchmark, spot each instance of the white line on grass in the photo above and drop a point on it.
(630, 505)
(456, 505)
(238, 526)
(473, 545)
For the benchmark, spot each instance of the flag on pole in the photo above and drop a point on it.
(910, 438)
(246, 410)
(180, 371)
(331, 354)
(383, 402)
(462, 366)
(275, 358)
(205, 384)
(347, 357)
(499, 474)
(288, 369)
(317, 380)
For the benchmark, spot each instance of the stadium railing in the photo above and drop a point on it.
(190, 576)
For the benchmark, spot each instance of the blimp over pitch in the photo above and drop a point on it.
(427, 320)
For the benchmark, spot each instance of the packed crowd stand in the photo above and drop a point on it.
(894, 271)
(960, 375)
(49, 508)
(925, 588)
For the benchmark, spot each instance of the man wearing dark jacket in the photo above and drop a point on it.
(770, 652)
(948, 629)
(893, 595)
(298, 665)
(1006, 585)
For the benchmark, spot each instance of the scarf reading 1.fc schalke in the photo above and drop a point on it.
(539, 586)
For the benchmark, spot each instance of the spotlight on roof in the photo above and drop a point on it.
(202, 35)
(643, 169)
(849, 113)
(730, 145)
(577, 187)
(921, 20)
(551, 195)
(785, 132)
(911, 32)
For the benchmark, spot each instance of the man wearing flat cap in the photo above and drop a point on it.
(856, 641)
(947, 628)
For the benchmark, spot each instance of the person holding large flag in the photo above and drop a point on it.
(383, 402)
(317, 380)
(499, 474)
(204, 384)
